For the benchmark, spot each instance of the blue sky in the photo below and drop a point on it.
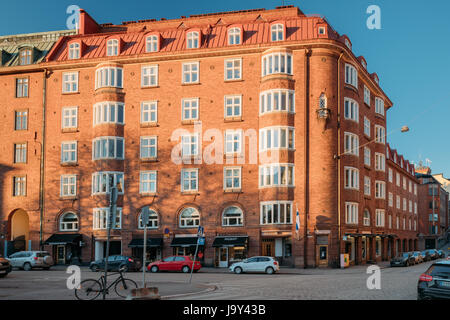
(410, 53)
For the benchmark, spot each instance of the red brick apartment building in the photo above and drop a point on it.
(218, 90)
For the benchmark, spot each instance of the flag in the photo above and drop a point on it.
(297, 223)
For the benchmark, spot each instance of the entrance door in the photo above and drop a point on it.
(322, 255)
(223, 257)
(268, 247)
(61, 254)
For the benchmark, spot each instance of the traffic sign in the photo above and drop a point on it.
(201, 241)
(200, 231)
(145, 213)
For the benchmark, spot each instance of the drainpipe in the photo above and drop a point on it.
(42, 158)
(338, 152)
(306, 155)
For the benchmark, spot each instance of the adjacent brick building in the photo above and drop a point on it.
(269, 112)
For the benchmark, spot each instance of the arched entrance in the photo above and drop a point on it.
(19, 230)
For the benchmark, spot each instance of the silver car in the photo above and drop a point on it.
(27, 260)
(256, 264)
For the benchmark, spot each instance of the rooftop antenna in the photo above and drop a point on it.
(428, 162)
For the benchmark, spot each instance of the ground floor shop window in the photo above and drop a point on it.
(350, 248)
(378, 246)
(153, 253)
(189, 251)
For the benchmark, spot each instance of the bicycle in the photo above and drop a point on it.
(90, 289)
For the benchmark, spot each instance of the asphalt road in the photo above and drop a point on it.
(311, 284)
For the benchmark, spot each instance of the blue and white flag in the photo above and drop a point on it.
(297, 223)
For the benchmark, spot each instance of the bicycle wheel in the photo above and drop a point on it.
(123, 286)
(89, 289)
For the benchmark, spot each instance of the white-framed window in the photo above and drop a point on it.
(276, 212)
(233, 69)
(232, 178)
(153, 220)
(189, 145)
(397, 204)
(404, 223)
(410, 206)
(379, 106)
(25, 56)
(189, 218)
(108, 148)
(277, 32)
(68, 222)
(112, 47)
(69, 117)
(380, 134)
(68, 185)
(351, 213)
(390, 221)
(410, 186)
(21, 120)
(149, 147)
(351, 75)
(391, 175)
(151, 43)
(109, 77)
(367, 184)
(271, 138)
(74, 50)
(22, 87)
(149, 76)
(380, 190)
(191, 72)
(366, 95)
(101, 219)
(234, 36)
(415, 207)
(415, 225)
(367, 127)
(189, 109)
(20, 186)
(233, 106)
(232, 216)
(20, 153)
(380, 162)
(404, 204)
(109, 112)
(147, 182)
(69, 152)
(415, 189)
(367, 156)
(391, 199)
(69, 82)
(189, 180)
(351, 110)
(351, 144)
(277, 100)
(379, 217)
(397, 223)
(149, 112)
(277, 62)
(103, 181)
(351, 178)
(397, 178)
(276, 175)
(404, 183)
(192, 40)
(233, 141)
(366, 217)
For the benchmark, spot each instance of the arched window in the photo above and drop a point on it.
(189, 218)
(112, 47)
(234, 36)
(192, 40)
(152, 220)
(74, 51)
(366, 218)
(232, 216)
(68, 222)
(25, 57)
(152, 43)
(277, 32)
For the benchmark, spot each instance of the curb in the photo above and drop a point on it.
(209, 289)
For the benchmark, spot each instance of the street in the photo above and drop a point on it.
(212, 284)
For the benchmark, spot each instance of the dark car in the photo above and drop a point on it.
(427, 255)
(174, 263)
(405, 259)
(117, 262)
(5, 267)
(441, 254)
(435, 282)
(433, 253)
(418, 256)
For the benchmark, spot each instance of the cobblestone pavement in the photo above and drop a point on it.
(349, 284)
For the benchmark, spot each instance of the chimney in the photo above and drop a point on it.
(87, 24)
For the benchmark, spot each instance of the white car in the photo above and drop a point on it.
(256, 264)
(27, 260)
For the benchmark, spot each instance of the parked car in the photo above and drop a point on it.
(115, 263)
(256, 264)
(174, 263)
(418, 256)
(28, 260)
(441, 254)
(5, 267)
(435, 282)
(433, 253)
(405, 259)
(426, 255)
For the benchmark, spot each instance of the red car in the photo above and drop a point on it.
(175, 263)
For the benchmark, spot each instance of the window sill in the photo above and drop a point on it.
(367, 167)
(68, 198)
(379, 116)
(233, 80)
(232, 191)
(367, 197)
(189, 122)
(150, 87)
(70, 93)
(351, 87)
(150, 194)
(149, 160)
(234, 155)
(190, 193)
(69, 130)
(22, 97)
(149, 125)
(276, 76)
(233, 119)
(69, 164)
(190, 84)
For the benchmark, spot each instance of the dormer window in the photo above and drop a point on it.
(74, 51)
(25, 57)
(193, 40)
(234, 36)
(152, 43)
(347, 43)
(321, 30)
(277, 32)
(112, 47)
